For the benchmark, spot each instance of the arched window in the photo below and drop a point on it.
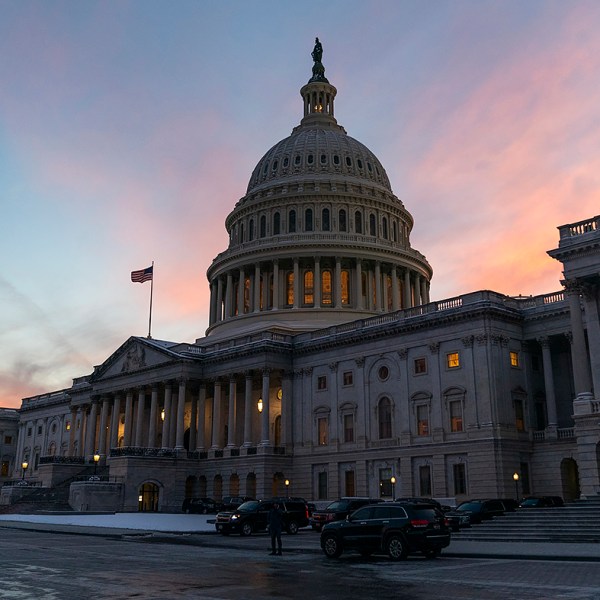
(289, 295)
(384, 226)
(345, 287)
(276, 224)
(342, 220)
(292, 221)
(309, 298)
(325, 224)
(326, 287)
(251, 230)
(372, 225)
(247, 295)
(263, 226)
(384, 414)
(308, 220)
(395, 231)
(358, 222)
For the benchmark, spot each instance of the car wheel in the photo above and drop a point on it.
(332, 547)
(434, 553)
(247, 528)
(396, 548)
(292, 528)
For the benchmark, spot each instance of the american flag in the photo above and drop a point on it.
(142, 275)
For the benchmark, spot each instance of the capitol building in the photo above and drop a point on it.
(326, 369)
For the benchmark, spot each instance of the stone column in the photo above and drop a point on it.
(166, 426)
(90, 442)
(590, 300)
(201, 417)
(296, 284)
(228, 312)
(275, 284)
(80, 436)
(71, 432)
(216, 416)
(265, 421)
(395, 290)
(338, 282)
(378, 295)
(407, 296)
(193, 420)
(153, 417)
(359, 295)
(231, 416)
(248, 410)
(173, 420)
(240, 298)
(140, 412)
(286, 410)
(128, 418)
(103, 425)
(424, 294)
(115, 421)
(579, 354)
(548, 381)
(180, 415)
(219, 307)
(213, 304)
(256, 288)
(418, 299)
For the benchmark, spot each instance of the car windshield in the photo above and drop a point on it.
(530, 502)
(472, 506)
(249, 506)
(338, 505)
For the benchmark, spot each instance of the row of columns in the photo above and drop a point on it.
(141, 428)
(408, 288)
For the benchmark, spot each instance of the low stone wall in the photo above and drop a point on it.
(96, 496)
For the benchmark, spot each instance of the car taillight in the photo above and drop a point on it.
(330, 517)
(446, 521)
(419, 522)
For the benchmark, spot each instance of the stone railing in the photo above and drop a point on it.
(580, 228)
(62, 460)
(139, 451)
(566, 433)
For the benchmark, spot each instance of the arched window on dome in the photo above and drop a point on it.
(345, 283)
(263, 226)
(308, 220)
(372, 225)
(384, 418)
(326, 287)
(247, 295)
(276, 224)
(384, 227)
(251, 230)
(358, 222)
(309, 287)
(292, 221)
(289, 289)
(342, 220)
(325, 220)
(395, 231)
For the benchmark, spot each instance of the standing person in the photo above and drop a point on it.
(275, 527)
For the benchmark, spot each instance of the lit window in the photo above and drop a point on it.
(452, 360)
(420, 366)
(326, 288)
(322, 382)
(348, 378)
(290, 288)
(322, 427)
(345, 287)
(422, 420)
(514, 359)
(309, 298)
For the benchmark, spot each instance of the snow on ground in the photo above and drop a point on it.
(136, 521)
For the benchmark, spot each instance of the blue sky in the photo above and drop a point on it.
(129, 129)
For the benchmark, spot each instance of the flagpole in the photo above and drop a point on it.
(150, 317)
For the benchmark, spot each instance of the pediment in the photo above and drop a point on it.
(134, 355)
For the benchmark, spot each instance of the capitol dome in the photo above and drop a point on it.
(319, 238)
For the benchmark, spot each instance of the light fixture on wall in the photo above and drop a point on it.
(279, 394)
(162, 414)
(260, 405)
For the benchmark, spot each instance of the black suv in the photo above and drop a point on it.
(393, 528)
(199, 505)
(232, 502)
(473, 512)
(252, 516)
(339, 510)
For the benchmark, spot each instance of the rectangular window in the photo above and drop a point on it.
(348, 428)
(348, 378)
(452, 360)
(459, 476)
(39, 430)
(385, 483)
(519, 415)
(322, 485)
(322, 427)
(420, 366)
(322, 382)
(8, 440)
(29, 431)
(425, 480)
(514, 359)
(456, 417)
(4, 469)
(423, 420)
(350, 488)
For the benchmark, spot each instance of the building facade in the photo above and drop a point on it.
(327, 370)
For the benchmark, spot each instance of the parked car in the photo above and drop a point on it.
(252, 516)
(442, 507)
(339, 510)
(510, 504)
(393, 528)
(541, 502)
(473, 512)
(199, 505)
(232, 502)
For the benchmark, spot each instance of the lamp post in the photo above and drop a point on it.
(95, 477)
(287, 488)
(24, 466)
(516, 480)
(393, 482)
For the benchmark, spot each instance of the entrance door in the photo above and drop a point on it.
(148, 498)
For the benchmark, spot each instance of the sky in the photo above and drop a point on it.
(129, 130)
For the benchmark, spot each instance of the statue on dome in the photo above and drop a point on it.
(318, 69)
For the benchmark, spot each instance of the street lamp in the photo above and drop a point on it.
(287, 488)
(95, 477)
(393, 482)
(24, 465)
(516, 479)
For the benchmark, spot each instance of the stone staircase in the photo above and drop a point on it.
(576, 522)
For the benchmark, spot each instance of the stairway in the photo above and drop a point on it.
(576, 522)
